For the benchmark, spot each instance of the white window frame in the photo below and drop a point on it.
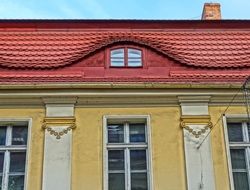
(241, 118)
(126, 58)
(125, 119)
(10, 123)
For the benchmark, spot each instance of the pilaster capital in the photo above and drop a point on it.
(59, 100)
(196, 125)
(193, 99)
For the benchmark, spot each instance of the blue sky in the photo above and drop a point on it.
(117, 9)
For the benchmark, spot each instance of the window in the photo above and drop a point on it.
(239, 150)
(125, 57)
(13, 147)
(127, 155)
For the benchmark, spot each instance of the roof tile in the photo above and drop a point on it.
(51, 49)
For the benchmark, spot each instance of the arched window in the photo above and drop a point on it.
(126, 57)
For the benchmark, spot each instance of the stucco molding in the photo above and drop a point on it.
(59, 100)
(110, 97)
(58, 121)
(194, 99)
(196, 119)
(204, 123)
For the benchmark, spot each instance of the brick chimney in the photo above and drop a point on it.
(211, 11)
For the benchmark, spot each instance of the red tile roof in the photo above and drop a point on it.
(54, 48)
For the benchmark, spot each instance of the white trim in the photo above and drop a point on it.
(125, 145)
(124, 118)
(150, 155)
(104, 157)
(230, 172)
(29, 140)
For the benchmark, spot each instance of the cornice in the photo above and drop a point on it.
(119, 97)
(127, 85)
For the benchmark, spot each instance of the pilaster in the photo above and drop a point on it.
(196, 124)
(58, 125)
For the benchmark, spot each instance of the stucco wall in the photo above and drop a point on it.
(35, 142)
(166, 141)
(219, 147)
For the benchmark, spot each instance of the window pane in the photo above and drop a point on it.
(117, 58)
(2, 135)
(134, 62)
(1, 178)
(19, 135)
(134, 53)
(139, 181)
(17, 161)
(240, 181)
(137, 132)
(235, 132)
(238, 158)
(117, 53)
(16, 183)
(116, 182)
(134, 58)
(115, 133)
(1, 161)
(116, 160)
(117, 62)
(138, 160)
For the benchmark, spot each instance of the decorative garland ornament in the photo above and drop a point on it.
(197, 134)
(196, 120)
(57, 121)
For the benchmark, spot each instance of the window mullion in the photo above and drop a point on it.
(126, 133)
(6, 170)
(248, 165)
(126, 57)
(126, 152)
(129, 172)
(128, 177)
(7, 158)
(8, 135)
(247, 150)
(126, 169)
(245, 132)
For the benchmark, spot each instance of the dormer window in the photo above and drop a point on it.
(125, 57)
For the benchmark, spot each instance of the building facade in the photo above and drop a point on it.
(124, 105)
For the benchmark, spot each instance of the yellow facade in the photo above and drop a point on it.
(168, 157)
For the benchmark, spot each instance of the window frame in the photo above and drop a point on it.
(11, 122)
(126, 47)
(126, 119)
(236, 118)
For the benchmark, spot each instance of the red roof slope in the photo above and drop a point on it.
(201, 51)
(51, 49)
